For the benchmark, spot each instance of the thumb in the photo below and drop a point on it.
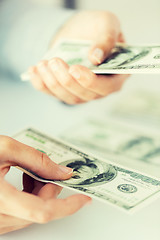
(15, 153)
(101, 48)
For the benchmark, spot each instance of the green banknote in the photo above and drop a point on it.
(123, 59)
(99, 178)
(128, 144)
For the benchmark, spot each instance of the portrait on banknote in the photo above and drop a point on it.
(87, 172)
(122, 56)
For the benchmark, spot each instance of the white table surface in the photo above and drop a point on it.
(23, 106)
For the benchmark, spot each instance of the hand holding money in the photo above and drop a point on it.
(78, 84)
(38, 202)
(109, 182)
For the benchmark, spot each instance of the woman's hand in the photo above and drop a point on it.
(38, 202)
(77, 84)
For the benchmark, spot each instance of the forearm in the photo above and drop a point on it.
(26, 33)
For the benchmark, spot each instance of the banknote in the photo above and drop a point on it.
(140, 105)
(123, 59)
(125, 143)
(98, 178)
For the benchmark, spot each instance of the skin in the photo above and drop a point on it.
(38, 202)
(77, 84)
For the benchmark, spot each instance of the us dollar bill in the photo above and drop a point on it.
(140, 105)
(125, 143)
(98, 178)
(123, 59)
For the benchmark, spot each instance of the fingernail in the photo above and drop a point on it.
(54, 65)
(75, 74)
(98, 55)
(65, 170)
(89, 202)
(27, 75)
(41, 66)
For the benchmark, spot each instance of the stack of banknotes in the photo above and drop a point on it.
(112, 160)
(103, 178)
(124, 59)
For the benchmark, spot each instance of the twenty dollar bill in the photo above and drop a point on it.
(97, 178)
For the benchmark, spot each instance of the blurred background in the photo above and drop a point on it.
(139, 19)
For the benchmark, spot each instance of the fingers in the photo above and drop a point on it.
(35, 209)
(7, 229)
(14, 153)
(45, 191)
(10, 221)
(60, 83)
(49, 191)
(79, 81)
(55, 75)
(100, 84)
(52, 210)
(60, 69)
(102, 48)
(37, 81)
(68, 206)
(4, 169)
(49, 76)
(106, 40)
(121, 38)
